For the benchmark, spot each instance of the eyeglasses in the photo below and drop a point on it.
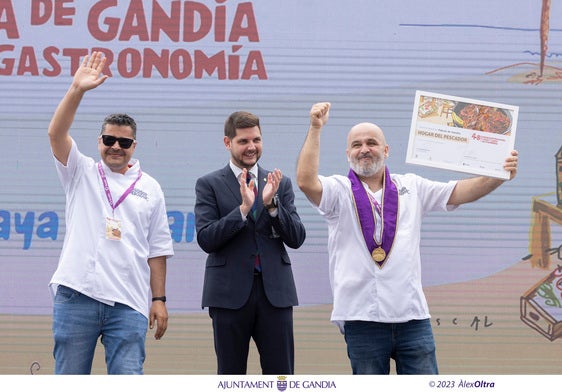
(124, 142)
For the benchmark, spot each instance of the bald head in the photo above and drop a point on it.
(366, 150)
(365, 130)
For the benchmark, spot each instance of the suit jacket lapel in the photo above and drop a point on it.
(232, 183)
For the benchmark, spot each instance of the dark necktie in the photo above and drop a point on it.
(250, 177)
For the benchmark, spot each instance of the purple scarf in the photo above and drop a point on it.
(365, 213)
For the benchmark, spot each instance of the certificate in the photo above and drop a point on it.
(461, 134)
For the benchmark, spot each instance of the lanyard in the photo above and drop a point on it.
(376, 204)
(108, 192)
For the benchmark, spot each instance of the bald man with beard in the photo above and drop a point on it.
(374, 227)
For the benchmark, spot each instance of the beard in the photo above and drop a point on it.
(244, 161)
(368, 169)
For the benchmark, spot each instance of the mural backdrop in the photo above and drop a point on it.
(181, 67)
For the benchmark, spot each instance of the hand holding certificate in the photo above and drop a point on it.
(461, 134)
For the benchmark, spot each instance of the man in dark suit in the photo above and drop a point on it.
(244, 217)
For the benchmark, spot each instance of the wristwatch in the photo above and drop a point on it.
(163, 299)
(274, 203)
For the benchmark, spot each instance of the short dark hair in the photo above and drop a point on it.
(238, 120)
(120, 119)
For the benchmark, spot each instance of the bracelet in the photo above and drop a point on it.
(163, 299)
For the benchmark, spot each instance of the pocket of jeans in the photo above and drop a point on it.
(65, 294)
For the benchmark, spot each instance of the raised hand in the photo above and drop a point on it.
(319, 114)
(272, 185)
(247, 193)
(89, 74)
(510, 164)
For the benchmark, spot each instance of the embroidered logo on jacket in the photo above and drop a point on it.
(139, 193)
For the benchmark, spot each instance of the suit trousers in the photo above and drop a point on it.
(270, 327)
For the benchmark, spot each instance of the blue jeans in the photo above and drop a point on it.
(79, 320)
(371, 346)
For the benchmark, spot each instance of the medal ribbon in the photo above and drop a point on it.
(108, 192)
(365, 213)
(378, 209)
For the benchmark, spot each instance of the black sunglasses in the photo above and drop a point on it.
(124, 142)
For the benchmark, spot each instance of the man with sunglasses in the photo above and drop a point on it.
(117, 241)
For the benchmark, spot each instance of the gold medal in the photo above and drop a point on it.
(378, 254)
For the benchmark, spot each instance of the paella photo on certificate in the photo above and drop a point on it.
(461, 134)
